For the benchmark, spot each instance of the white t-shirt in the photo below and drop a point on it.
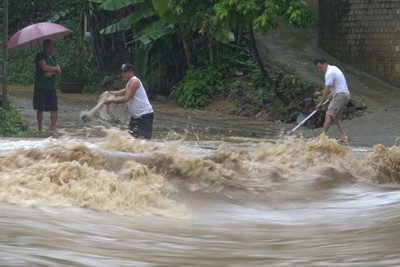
(336, 81)
(139, 104)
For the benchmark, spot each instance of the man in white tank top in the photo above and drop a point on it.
(134, 94)
(336, 89)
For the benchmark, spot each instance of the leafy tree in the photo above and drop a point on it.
(262, 15)
(23, 13)
(203, 23)
(168, 39)
(159, 31)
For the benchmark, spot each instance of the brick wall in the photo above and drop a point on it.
(364, 34)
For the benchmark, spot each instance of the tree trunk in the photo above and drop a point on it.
(210, 50)
(97, 44)
(187, 51)
(264, 72)
(4, 60)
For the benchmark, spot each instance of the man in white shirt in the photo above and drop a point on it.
(142, 114)
(336, 89)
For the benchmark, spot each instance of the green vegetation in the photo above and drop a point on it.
(190, 50)
(198, 86)
(11, 122)
(165, 39)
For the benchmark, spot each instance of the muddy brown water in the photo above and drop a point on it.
(208, 190)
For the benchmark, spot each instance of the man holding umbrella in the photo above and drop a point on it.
(44, 94)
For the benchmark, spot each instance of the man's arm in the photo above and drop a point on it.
(119, 92)
(49, 69)
(123, 95)
(326, 94)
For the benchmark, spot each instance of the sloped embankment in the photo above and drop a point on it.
(297, 49)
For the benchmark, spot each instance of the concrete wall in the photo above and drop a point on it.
(364, 34)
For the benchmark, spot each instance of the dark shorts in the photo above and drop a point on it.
(44, 100)
(142, 127)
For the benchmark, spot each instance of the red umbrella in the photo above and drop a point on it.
(33, 35)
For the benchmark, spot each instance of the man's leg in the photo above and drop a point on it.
(133, 127)
(145, 125)
(340, 125)
(327, 123)
(53, 119)
(39, 117)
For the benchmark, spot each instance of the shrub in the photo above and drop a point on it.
(11, 122)
(199, 84)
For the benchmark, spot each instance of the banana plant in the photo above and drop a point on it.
(148, 28)
(165, 18)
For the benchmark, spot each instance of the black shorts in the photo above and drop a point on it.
(44, 100)
(142, 127)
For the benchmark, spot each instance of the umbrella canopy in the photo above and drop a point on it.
(33, 35)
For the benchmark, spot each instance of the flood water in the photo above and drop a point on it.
(87, 200)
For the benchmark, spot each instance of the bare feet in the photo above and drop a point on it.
(343, 140)
(52, 129)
